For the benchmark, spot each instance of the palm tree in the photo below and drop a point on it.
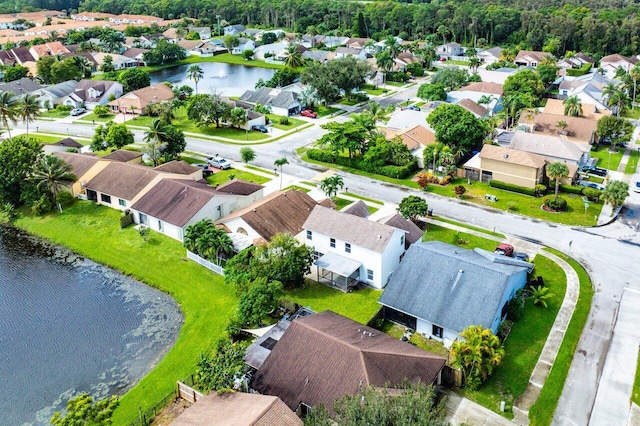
(331, 185)
(608, 91)
(539, 295)
(477, 353)
(51, 173)
(308, 97)
(155, 137)
(474, 63)
(213, 242)
(384, 61)
(615, 193)
(635, 76)
(195, 73)
(621, 100)
(556, 171)
(294, 57)
(28, 110)
(572, 106)
(8, 110)
(378, 112)
(393, 46)
(279, 163)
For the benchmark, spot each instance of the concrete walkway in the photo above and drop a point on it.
(463, 411)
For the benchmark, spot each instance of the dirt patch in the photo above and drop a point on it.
(170, 412)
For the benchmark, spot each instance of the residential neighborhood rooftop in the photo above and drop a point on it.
(513, 156)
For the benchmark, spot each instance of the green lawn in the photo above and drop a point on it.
(206, 302)
(632, 164)
(323, 111)
(349, 102)
(341, 203)
(524, 344)
(371, 200)
(223, 176)
(635, 394)
(55, 113)
(395, 84)
(293, 122)
(141, 120)
(462, 239)
(299, 188)
(634, 115)
(462, 63)
(430, 345)
(541, 413)
(607, 160)
(361, 305)
(466, 225)
(93, 117)
(45, 139)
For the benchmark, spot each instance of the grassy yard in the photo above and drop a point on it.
(371, 200)
(462, 63)
(430, 345)
(632, 114)
(375, 91)
(92, 117)
(607, 160)
(541, 413)
(632, 164)
(223, 176)
(462, 239)
(361, 305)
(635, 394)
(349, 102)
(206, 302)
(45, 139)
(323, 111)
(55, 113)
(341, 203)
(524, 344)
(395, 84)
(299, 188)
(466, 225)
(293, 122)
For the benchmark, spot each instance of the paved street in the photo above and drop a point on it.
(610, 254)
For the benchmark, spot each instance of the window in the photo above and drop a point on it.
(347, 247)
(219, 211)
(122, 202)
(402, 240)
(401, 257)
(143, 219)
(105, 198)
(436, 331)
(332, 242)
(369, 274)
(160, 225)
(309, 235)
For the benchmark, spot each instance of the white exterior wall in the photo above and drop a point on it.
(391, 255)
(238, 223)
(516, 282)
(426, 328)
(115, 202)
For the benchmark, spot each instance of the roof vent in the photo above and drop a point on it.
(505, 155)
(457, 280)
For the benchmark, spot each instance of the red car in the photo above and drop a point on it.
(308, 113)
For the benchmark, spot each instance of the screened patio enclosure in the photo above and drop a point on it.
(338, 271)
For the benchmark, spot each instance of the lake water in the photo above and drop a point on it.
(69, 325)
(225, 79)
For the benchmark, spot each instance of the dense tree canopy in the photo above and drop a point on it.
(82, 410)
(134, 79)
(457, 127)
(329, 79)
(17, 156)
(524, 82)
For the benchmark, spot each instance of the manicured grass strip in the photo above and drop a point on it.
(633, 114)
(206, 302)
(635, 393)
(349, 102)
(361, 305)
(341, 202)
(92, 117)
(607, 160)
(462, 239)
(433, 346)
(466, 225)
(299, 188)
(453, 62)
(323, 111)
(524, 344)
(395, 84)
(224, 176)
(45, 139)
(293, 122)
(372, 210)
(371, 200)
(55, 113)
(632, 164)
(541, 413)
(259, 169)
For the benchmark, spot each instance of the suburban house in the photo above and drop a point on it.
(318, 55)
(85, 167)
(136, 54)
(125, 156)
(441, 289)
(474, 108)
(405, 58)
(21, 87)
(343, 52)
(530, 58)
(51, 48)
(198, 47)
(22, 56)
(277, 213)
(413, 233)
(203, 32)
(576, 61)
(611, 63)
(120, 62)
(588, 88)
(136, 102)
(253, 118)
(171, 205)
(62, 146)
(589, 111)
(330, 41)
(323, 357)
(359, 43)
(507, 165)
(471, 96)
(173, 35)
(450, 49)
(243, 44)
(415, 138)
(238, 409)
(89, 93)
(350, 249)
(401, 120)
(282, 102)
(578, 129)
(266, 50)
(234, 30)
(490, 56)
(55, 93)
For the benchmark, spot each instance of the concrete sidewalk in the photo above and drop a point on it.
(463, 411)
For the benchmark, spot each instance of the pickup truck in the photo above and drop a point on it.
(504, 250)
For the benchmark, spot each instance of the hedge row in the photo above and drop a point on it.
(512, 188)
(398, 172)
(577, 72)
(570, 189)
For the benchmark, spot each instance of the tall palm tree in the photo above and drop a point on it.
(384, 61)
(378, 112)
(155, 137)
(279, 163)
(195, 73)
(556, 171)
(332, 185)
(474, 63)
(635, 76)
(28, 110)
(621, 100)
(608, 91)
(8, 110)
(51, 173)
(393, 46)
(294, 57)
(572, 106)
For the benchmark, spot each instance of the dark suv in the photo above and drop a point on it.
(260, 128)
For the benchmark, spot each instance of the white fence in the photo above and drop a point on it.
(204, 262)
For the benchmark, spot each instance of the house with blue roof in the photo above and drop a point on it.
(440, 289)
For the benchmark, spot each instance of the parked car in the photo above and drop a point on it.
(260, 128)
(504, 250)
(636, 186)
(590, 184)
(410, 107)
(219, 163)
(598, 171)
(308, 113)
(522, 256)
(78, 111)
(206, 171)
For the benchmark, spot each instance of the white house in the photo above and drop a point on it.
(441, 289)
(611, 63)
(272, 49)
(349, 248)
(588, 88)
(343, 52)
(89, 93)
(55, 93)
(119, 62)
(203, 32)
(235, 29)
(450, 49)
(282, 102)
(490, 56)
(243, 44)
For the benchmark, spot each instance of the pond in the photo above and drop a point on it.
(225, 79)
(69, 325)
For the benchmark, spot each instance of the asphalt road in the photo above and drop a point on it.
(610, 254)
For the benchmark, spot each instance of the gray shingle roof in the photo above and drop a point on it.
(61, 90)
(20, 87)
(357, 208)
(548, 146)
(449, 286)
(271, 97)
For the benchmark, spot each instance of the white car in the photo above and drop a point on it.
(77, 111)
(219, 163)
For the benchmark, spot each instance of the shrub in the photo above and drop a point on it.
(569, 189)
(515, 308)
(540, 189)
(101, 110)
(41, 206)
(556, 204)
(460, 190)
(592, 194)
(284, 121)
(397, 76)
(64, 198)
(64, 108)
(126, 219)
(512, 206)
(512, 188)
(576, 72)
(360, 97)
(398, 172)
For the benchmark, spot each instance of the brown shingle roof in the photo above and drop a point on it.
(473, 107)
(239, 187)
(279, 212)
(512, 156)
(178, 167)
(123, 155)
(80, 163)
(526, 55)
(325, 356)
(351, 229)
(483, 87)
(238, 409)
(358, 208)
(414, 136)
(397, 221)
(577, 127)
(175, 201)
(122, 180)
(326, 202)
(69, 143)
(555, 106)
(618, 58)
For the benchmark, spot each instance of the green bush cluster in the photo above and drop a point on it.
(397, 76)
(576, 72)
(398, 172)
(556, 204)
(284, 121)
(511, 187)
(570, 189)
